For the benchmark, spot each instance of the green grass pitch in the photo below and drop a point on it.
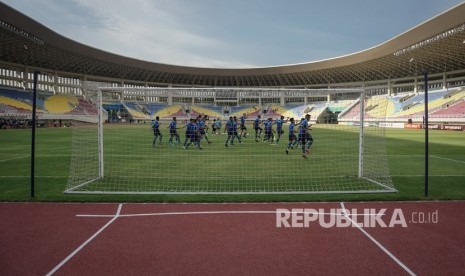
(405, 150)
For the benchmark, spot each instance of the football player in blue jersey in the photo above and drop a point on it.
(257, 128)
(279, 128)
(192, 134)
(292, 137)
(190, 138)
(231, 127)
(269, 137)
(216, 127)
(202, 123)
(156, 131)
(243, 127)
(305, 136)
(174, 132)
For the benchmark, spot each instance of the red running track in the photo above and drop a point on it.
(226, 239)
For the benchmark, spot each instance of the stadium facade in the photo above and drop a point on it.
(436, 46)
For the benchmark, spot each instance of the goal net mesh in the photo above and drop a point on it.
(120, 157)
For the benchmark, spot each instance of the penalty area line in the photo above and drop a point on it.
(401, 264)
(86, 242)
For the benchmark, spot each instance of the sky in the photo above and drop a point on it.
(231, 33)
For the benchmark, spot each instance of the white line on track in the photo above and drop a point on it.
(401, 264)
(217, 212)
(86, 242)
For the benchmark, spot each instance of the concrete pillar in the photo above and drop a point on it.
(55, 83)
(444, 82)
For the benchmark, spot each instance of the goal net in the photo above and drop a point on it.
(116, 152)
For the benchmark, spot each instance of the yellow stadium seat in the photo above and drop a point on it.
(168, 111)
(61, 104)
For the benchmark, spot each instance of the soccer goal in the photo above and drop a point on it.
(119, 156)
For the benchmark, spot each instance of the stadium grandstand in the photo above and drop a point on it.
(393, 68)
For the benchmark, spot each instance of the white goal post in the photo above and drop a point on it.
(348, 153)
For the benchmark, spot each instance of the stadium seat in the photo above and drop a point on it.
(168, 111)
(61, 104)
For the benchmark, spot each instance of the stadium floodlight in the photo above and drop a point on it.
(348, 156)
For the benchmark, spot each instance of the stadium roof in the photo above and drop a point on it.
(437, 46)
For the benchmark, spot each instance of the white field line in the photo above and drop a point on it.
(422, 175)
(37, 176)
(448, 159)
(212, 154)
(222, 155)
(37, 155)
(396, 175)
(175, 155)
(15, 158)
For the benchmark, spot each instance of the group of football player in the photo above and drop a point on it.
(197, 130)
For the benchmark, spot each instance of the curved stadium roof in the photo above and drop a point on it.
(437, 46)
